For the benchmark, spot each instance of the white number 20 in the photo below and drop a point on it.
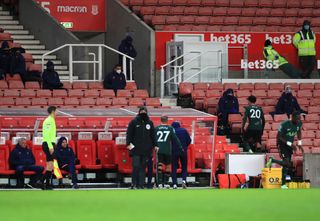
(255, 113)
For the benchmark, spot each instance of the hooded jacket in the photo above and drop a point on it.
(5, 57)
(287, 104)
(18, 64)
(115, 81)
(64, 155)
(51, 78)
(141, 134)
(20, 156)
(228, 104)
(183, 136)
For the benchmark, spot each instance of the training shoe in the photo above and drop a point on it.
(30, 186)
(132, 187)
(175, 187)
(160, 186)
(284, 187)
(269, 163)
(250, 151)
(167, 186)
(184, 185)
(75, 186)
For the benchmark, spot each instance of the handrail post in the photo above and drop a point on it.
(70, 64)
(94, 65)
(179, 75)
(124, 66)
(100, 62)
(245, 58)
(42, 63)
(162, 82)
(131, 77)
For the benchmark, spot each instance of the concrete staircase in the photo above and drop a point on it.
(32, 45)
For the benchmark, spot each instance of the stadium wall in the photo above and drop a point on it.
(120, 22)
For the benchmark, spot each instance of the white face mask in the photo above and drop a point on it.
(118, 71)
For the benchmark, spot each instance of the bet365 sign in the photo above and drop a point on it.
(78, 15)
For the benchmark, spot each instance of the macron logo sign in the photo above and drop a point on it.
(72, 9)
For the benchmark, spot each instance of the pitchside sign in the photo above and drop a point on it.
(78, 15)
(282, 42)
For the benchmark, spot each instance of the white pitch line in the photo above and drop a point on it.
(131, 112)
(69, 115)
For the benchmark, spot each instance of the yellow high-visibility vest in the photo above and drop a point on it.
(305, 44)
(272, 55)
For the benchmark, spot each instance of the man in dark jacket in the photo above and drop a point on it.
(140, 142)
(5, 59)
(178, 155)
(126, 47)
(18, 64)
(66, 160)
(22, 159)
(228, 104)
(116, 80)
(287, 103)
(51, 78)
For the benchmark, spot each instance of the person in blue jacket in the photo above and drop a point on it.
(178, 155)
(66, 160)
(22, 159)
(50, 78)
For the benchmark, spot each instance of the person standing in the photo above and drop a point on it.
(270, 54)
(305, 42)
(22, 159)
(116, 80)
(127, 48)
(285, 142)
(66, 160)
(49, 139)
(165, 134)
(253, 133)
(140, 142)
(179, 155)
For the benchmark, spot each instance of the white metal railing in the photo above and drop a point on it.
(94, 61)
(178, 73)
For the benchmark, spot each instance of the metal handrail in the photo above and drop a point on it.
(177, 58)
(202, 70)
(202, 53)
(99, 61)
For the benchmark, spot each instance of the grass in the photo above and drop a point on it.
(161, 205)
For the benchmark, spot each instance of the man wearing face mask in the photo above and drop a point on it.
(115, 80)
(228, 104)
(140, 142)
(51, 78)
(287, 103)
(305, 41)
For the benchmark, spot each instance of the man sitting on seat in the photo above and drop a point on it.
(66, 160)
(51, 78)
(22, 159)
(116, 80)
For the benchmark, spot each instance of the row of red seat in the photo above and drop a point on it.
(16, 83)
(226, 3)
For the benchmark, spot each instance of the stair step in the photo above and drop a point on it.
(33, 47)
(9, 22)
(22, 37)
(6, 17)
(12, 27)
(61, 68)
(37, 52)
(38, 56)
(4, 13)
(28, 42)
(63, 72)
(66, 78)
(45, 61)
(17, 32)
(1, 8)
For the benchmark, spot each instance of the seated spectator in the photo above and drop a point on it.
(270, 54)
(50, 78)
(287, 103)
(22, 159)
(66, 160)
(228, 104)
(115, 80)
(5, 59)
(18, 64)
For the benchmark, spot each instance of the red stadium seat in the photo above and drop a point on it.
(205, 11)
(86, 153)
(259, 93)
(95, 85)
(250, 12)
(107, 93)
(93, 123)
(76, 93)
(27, 123)
(261, 86)
(80, 85)
(185, 88)
(11, 93)
(44, 93)
(208, 3)
(234, 11)
(122, 159)
(280, 117)
(67, 85)
(243, 93)
(136, 102)
(196, 94)
(306, 86)
(105, 150)
(26, 102)
(312, 118)
(147, 10)
(172, 20)
(153, 102)
(59, 93)
(3, 85)
(39, 101)
(140, 94)
(251, 3)
(15, 77)
(39, 155)
(310, 126)
(103, 101)
(91, 93)
(71, 101)
(120, 101)
(131, 85)
(216, 21)
(35, 68)
(220, 11)
(32, 85)
(87, 101)
(213, 93)
(231, 20)
(16, 85)
(216, 86)
(61, 122)
(276, 86)
(27, 93)
(55, 101)
(7, 102)
(233, 86)
(200, 86)
(304, 93)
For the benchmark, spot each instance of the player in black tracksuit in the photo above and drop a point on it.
(140, 142)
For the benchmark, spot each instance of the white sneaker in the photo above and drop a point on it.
(284, 187)
(167, 186)
(184, 185)
(175, 187)
(250, 151)
(160, 186)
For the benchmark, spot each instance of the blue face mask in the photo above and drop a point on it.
(306, 27)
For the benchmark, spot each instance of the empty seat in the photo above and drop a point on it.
(147, 10)
(75, 123)
(7, 101)
(91, 93)
(250, 12)
(95, 85)
(35, 68)
(136, 2)
(306, 86)
(280, 117)
(121, 101)
(291, 12)
(243, 93)
(55, 101)
(136, 102)
(306, 12)
(187, 19)
(124, 93)
(219, 11)
(3, 85)
(153, 102)
(26, 102)
(233, 86)
(172, 20)
(86, 153)
(44, 93)
(185, 88)
(15, 77)
(216, 21)
(16, 85)
(213, 93)
(310, 126)
(140, 94)
(273, 21)
(59, 93)
(202, 20)
(216, 86)
(208, 3)
(191, 10)
(276, 86)
(107, 93)
(200, 86)
(304, 93)
(87, 101)
(105, 152)
(288, 21)
(231, 20)
(158, 20)
(207, 11)
(196, 94)
(236, 3)
(67, 85)
(223, 3)
(246, 86)
(32, 85)
(27, 93)
(131, 85)
(75, 93)
(251, 3)
(259, 93)
(150, 2)
(164, 10)
(312, 117)
(11, 93)
(39, 101)
(103, 101)
(245, 21)
(177, 10)
(71, 101)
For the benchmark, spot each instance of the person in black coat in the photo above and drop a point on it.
(140, 142)
(5, 59)
(66, 160)
(127, 48)
(288, 103)
(51, 78)
(178, 155)
(115, 80)
(22, 159)
(18, 64)
(228, 104)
